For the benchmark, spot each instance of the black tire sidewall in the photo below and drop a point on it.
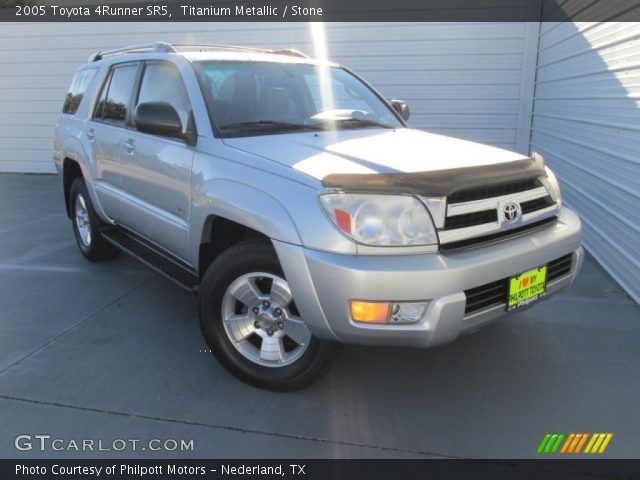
(97, 250)
(239, 260)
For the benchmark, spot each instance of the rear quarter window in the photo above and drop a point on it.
(77, 89)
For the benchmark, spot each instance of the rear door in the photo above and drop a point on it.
(156, 170)
(105, 132)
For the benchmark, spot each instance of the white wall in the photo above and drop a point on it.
(471, 80)
(587, 126)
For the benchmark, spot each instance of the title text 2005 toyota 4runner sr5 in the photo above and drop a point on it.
(297, 204)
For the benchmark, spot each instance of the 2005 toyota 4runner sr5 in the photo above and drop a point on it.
(292, 198)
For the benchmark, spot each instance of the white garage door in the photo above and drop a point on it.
(587, 125)
(471, 80)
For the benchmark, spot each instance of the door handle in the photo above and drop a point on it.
(91, 134)
(129, 146)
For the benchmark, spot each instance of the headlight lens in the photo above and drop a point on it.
(553, 185)
(380, 220)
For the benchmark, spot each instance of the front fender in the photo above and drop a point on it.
(244, 204)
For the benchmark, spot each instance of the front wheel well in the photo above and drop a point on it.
(219, 234)
(70, 171)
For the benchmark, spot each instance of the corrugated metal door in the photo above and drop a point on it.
(587, 124)
(472, 80)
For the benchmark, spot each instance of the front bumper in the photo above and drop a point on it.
(322, 284)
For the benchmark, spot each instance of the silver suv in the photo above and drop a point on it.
(292, 198)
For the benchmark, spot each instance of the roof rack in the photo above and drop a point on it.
(163, 47)
(215, 46)
(292, 52)
(157, 47)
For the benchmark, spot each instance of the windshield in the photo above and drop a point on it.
(261, 98)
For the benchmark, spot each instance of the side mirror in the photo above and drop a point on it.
(158, 118)
(402, 108)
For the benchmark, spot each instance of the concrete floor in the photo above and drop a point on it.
(112, 351)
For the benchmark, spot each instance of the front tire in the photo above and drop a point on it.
(87, 224)
(250, 321)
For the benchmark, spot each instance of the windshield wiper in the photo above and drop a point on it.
(361, 122)
(268, 125)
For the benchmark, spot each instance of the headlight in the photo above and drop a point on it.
(552, 184)
(380, 220)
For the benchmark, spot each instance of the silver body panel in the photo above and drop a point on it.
(165, 191)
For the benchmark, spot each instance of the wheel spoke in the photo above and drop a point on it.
(238, 317)
(280, 293)
(247, 293)
(83, 206)
(272, 349)
(241, 326)
(297, 331)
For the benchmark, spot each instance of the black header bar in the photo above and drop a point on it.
(321, 11)
(318, 469)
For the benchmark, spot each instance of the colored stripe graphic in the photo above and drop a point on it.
(551, 443)
(573, 443)
(598, 442)
(591, 442)
(581, 442)
(543, 443)
(555, 447)
(568, 442)
(605, 444)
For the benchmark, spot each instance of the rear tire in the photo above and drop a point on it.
(87, 224)
(249, 320)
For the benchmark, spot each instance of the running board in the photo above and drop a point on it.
(151, 256)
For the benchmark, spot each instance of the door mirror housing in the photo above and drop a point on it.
(402, 108)
(158, 118)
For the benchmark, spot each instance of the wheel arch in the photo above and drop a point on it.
(227, 212)
(70, 171)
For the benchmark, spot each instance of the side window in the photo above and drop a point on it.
(77, 89)
(103, 98)
(161, 82)
(116, 94)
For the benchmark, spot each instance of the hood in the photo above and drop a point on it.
(407, 159)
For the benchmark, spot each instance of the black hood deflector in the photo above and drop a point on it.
(439, 183)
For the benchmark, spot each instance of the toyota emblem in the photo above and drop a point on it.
(511, 212)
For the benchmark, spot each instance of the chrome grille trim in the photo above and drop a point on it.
(449, 236)
(492, 203)
(463, 220)
(539, 215)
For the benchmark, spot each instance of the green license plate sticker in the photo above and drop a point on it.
(526, 288)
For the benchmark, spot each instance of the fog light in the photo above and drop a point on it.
(407, 312)
(385, 313)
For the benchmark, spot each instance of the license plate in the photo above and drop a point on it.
(526, 288)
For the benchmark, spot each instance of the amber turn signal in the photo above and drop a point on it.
(370, 312)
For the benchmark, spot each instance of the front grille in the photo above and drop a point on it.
(485, 296)
(491, 191)
(537, 204)
(474, 216)
(559, 267)
(470, 219)
(495, 293)
(496, 237)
